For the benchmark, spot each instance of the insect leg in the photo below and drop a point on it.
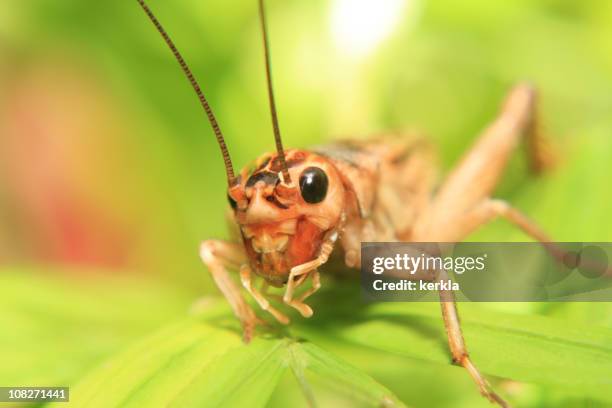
(457, 344)
(311, 266)
(457, 229)
(292, 284)
(316, 285)
(490, 209)
(245, 278)
(479, 171)
(484, 212)
(218, 256)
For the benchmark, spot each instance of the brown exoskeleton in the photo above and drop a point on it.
(295, 206)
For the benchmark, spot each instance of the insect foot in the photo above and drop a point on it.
(248, 328)
(303, 308)
(483, 385)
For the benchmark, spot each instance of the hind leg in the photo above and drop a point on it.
(475, 177)
(462, 204)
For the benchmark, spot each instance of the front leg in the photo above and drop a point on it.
(298, 271)
(219, 256)
(245, 278)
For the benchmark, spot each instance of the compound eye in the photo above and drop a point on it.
(313, 185)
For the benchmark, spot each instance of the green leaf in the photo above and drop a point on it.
(202, 361)
(57, 326)
(342, 377)
(196, 363)
(566, 355)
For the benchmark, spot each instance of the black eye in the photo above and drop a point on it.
(313, 185)
(231, 201)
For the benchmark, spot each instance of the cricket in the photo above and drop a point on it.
(294, 207)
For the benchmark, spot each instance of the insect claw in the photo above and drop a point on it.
(281, 318)
(303, 308)
(249, 325)
(494, 398)
(306, 311)
(487, 392)
(247, 331)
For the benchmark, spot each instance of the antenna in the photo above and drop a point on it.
(231, 179)
(277, 135)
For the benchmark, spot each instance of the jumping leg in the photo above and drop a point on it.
(477, 174)
(462, 204)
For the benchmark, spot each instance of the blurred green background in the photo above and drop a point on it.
(110, 175)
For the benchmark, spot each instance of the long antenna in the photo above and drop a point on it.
(231, 179)
(277, 135)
